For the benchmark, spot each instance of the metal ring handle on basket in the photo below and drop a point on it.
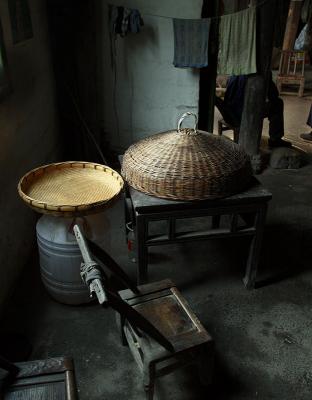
(188, 113)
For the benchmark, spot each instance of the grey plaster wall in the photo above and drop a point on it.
(148, 93)
(28, 138)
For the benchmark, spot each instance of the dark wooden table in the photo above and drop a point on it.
(248, 207)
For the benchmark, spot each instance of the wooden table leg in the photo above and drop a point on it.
(149, 379)
(142, 251)
(255, 249)
(215, 221)
(120, 321)
(205, 363)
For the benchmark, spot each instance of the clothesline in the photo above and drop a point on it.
(237, 39)
(168, 17)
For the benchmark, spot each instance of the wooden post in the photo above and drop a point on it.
(256, 86)
(292, 23)
(293, 19)
(207, 82)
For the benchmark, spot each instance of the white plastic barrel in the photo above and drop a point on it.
(60, 260)
(60, 257)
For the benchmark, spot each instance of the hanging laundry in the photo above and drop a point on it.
(135, 21)
(191, 42)
(120, 17)
(237, 43)
(112, 18)
(123, 20)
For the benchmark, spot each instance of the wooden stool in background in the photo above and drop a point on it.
(291, 71)
(163, 305)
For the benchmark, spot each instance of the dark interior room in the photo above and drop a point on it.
(155, 207)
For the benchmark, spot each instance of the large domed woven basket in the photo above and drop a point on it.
(187, 164)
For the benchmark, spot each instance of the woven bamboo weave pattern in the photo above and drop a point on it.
(70, 187)
(186, 165)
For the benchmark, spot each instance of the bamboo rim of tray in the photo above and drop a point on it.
(74, 188)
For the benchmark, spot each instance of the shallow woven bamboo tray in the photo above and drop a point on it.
(187, 164)
(70, 188)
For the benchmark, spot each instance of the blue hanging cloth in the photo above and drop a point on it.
(191, 38)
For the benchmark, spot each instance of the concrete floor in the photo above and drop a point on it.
(263, 337)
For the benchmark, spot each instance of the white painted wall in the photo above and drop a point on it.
(28, 138)
(150, 92)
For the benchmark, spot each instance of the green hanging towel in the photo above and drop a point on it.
(237, 43)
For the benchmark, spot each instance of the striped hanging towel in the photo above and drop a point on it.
(237, 43)
(191, 42)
